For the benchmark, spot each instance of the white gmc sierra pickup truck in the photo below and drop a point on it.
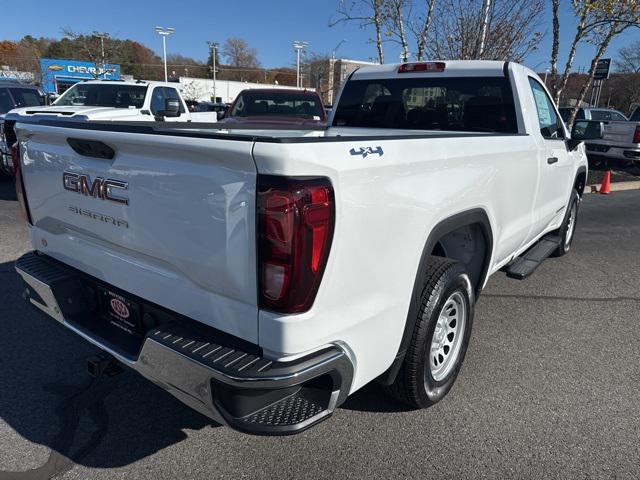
(262, 275)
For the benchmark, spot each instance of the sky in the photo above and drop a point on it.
(270, 26)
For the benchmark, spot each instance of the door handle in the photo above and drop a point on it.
(552, 160)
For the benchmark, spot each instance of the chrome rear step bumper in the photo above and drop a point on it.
(200, 366)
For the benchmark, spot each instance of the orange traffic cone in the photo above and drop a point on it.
(605, 188)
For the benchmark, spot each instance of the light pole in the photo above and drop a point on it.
(213, 46)
(102, 36)
(333, 54)
(299, 46)
(164, 32)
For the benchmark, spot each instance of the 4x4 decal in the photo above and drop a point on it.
(365, 151)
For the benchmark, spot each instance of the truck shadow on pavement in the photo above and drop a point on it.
(372, 398)
(47, 397)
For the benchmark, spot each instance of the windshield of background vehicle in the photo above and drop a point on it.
(286, 104)
(104, 95)
(16, 97)
(482, 104)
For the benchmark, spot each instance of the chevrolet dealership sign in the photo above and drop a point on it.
(57, 75)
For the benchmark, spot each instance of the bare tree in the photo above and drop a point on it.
(367, 13)
(420, 29)
(97, 51)
(488, 30)
(604, 38)
(629, 59)
(465, 29)
(242, 58)
(484, 26)
(396, 25)
(599, 22)
(584, 10)
(195, 91)
(555, 43)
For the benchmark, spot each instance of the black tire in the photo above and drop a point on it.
(415, 384)
(567, 230)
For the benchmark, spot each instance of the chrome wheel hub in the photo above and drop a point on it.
(447, 336)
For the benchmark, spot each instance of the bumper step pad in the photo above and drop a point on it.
(292, 410)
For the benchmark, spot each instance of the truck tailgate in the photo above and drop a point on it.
(618, 133)
(185, 237)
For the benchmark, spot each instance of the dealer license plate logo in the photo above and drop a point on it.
(119, 308)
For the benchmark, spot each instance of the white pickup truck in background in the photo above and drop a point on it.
(112, 100)
(261, 274)
(138, 100)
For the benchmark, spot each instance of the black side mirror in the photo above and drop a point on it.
(220, 115)
(585, 130)
(171, 108)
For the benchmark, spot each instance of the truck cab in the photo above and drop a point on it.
(15, 95)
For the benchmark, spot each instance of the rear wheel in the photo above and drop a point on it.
(440, 337)
(568, 228)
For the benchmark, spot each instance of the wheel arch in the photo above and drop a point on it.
(580, 180)
(475, 216)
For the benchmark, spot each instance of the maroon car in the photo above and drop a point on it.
(276, 106)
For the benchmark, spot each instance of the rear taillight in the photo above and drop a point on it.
(17, 170)
(296, 218)
(636, 135)
(421, 67)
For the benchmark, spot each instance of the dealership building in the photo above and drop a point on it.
(58, 75)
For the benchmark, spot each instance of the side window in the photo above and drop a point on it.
(157, 100)
(172, 94)
(600, 115)
(616, 117)
(6, 103)
(550, 123)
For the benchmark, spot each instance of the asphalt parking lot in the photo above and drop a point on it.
(549, 389)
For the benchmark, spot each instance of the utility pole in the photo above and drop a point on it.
(102, 36)
(299, 46)
(213, 46)
(164, 32)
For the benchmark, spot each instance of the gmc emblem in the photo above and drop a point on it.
(98, 188)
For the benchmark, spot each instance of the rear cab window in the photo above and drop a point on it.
(112, 95)
(288, 104)
(472, 104)
(604, 115)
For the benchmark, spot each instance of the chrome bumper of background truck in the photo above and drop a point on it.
(240, 389)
